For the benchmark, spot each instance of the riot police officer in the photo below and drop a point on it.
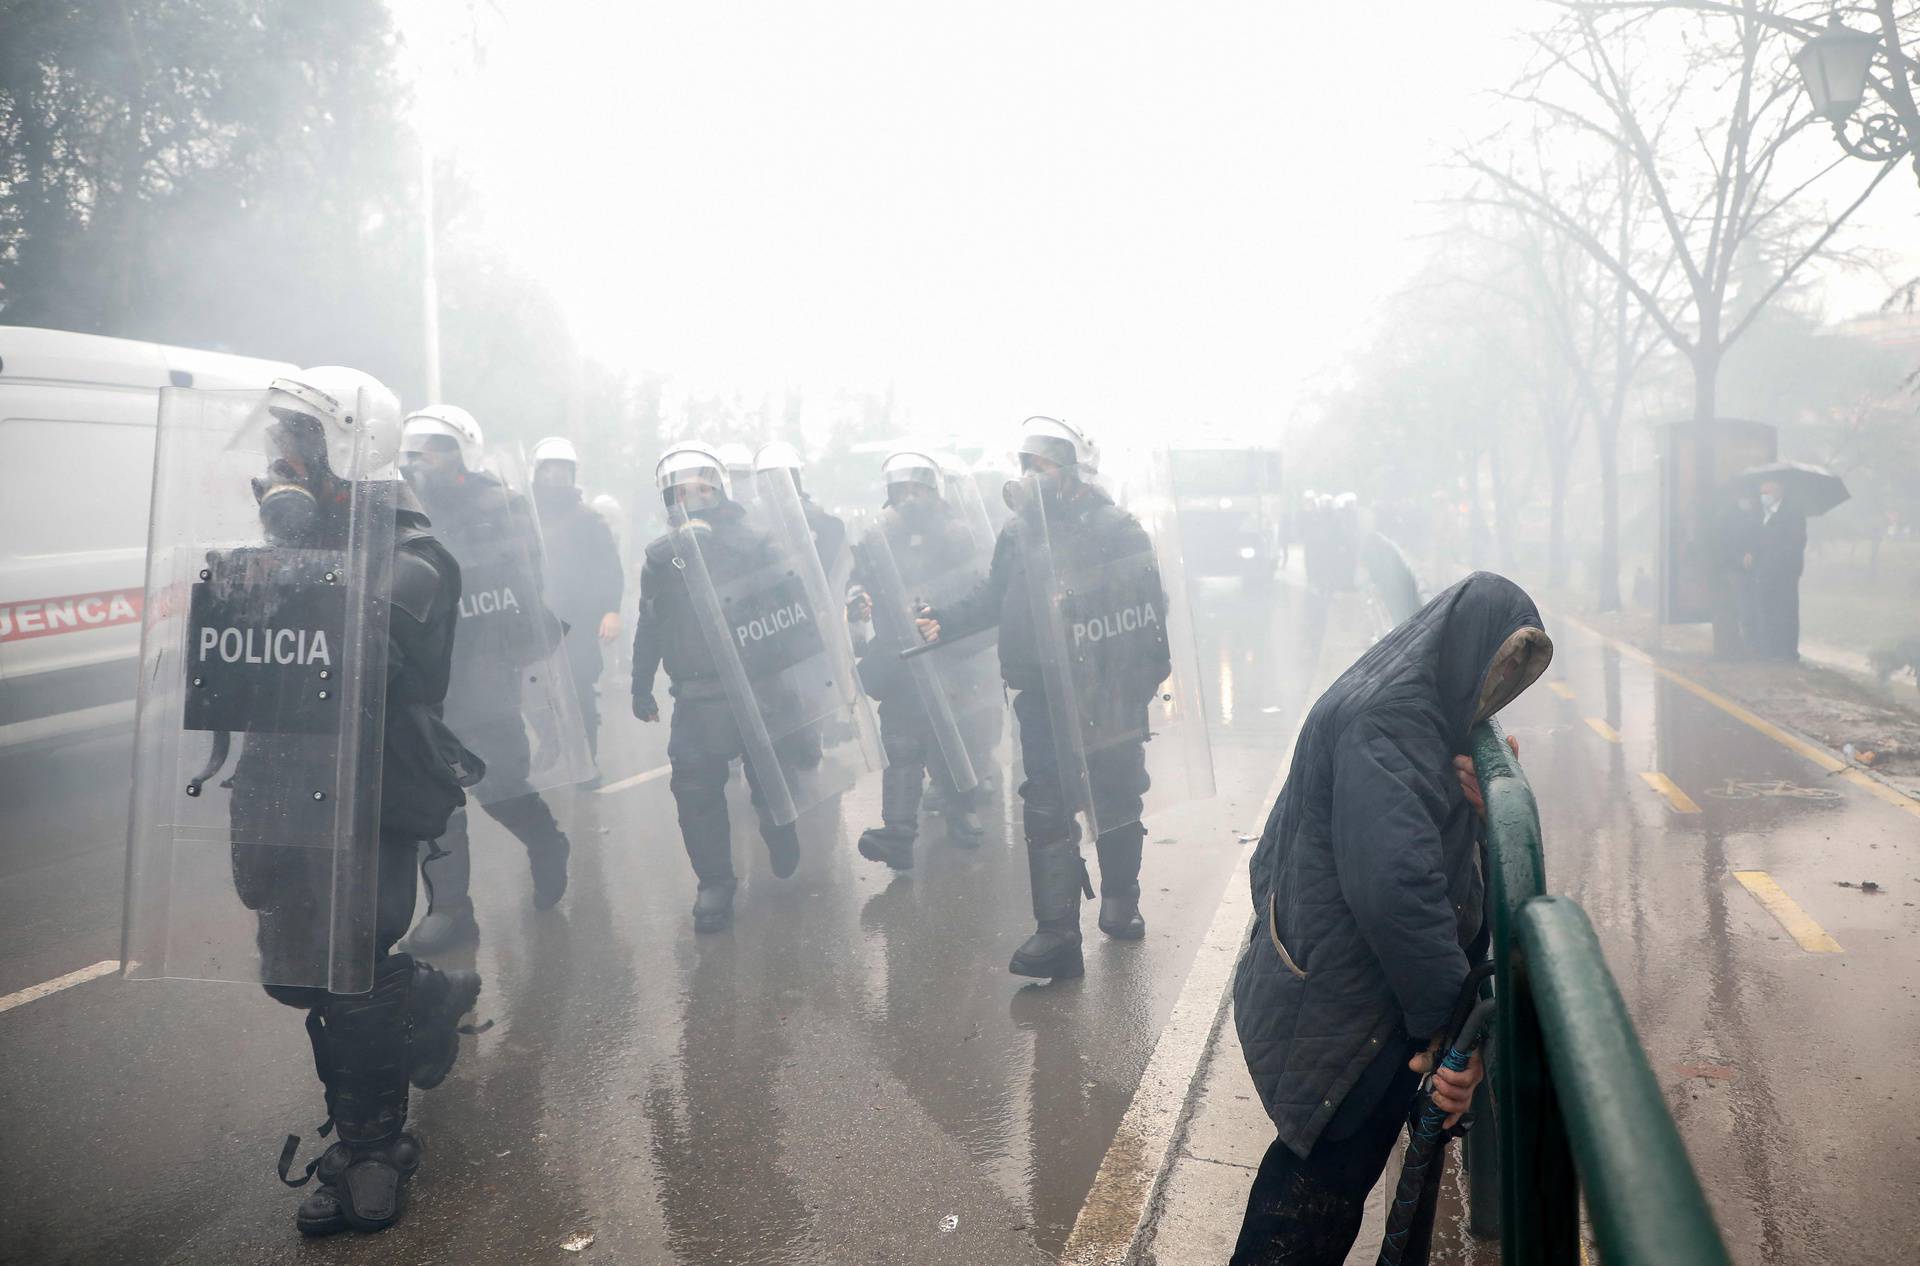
(508, 649)
(919, 552)
(1082, 714)
(584, 577)
(712, 546)
(344, 610)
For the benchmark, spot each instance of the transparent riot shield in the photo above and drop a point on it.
(818, 545)
(1114, 634)
(897, 594)
(962, 492)
(253, 838)
(777, 649)
(510, 697)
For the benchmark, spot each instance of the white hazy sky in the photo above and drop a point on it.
(1144, 215)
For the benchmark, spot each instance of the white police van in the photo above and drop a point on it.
(77, 415)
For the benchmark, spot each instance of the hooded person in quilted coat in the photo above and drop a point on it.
(1368, 899)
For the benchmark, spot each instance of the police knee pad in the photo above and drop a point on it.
(361, 1052)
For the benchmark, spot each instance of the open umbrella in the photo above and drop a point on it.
(1811, 489)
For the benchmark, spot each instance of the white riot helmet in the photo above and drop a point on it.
(357, 414)
(555, 448)
(444, 419)
(779, 455)
(1056, 441)
(691, 463)
(910, 466)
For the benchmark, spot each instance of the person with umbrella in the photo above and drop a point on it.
(1789, 492)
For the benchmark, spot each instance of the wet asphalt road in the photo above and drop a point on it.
(848, 1068)
(852, 1064)
(1787, 1069)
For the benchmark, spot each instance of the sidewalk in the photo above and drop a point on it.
(1198, 1213)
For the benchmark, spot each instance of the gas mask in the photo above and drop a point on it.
(915, 507)
(1050, 484)
(289, 493)
(434, 467)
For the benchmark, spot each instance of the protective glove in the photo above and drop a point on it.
(645, 708)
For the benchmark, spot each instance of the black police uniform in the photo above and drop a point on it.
(829, 534)
(1085, 531)
(584, 584)
(368, 1048)
(704, 738)
(473, 513)
(927, 545)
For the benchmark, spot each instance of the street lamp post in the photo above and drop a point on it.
(1837, 68)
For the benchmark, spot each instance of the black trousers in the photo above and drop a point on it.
(1777, 604)
(291, 934)
(1307, 1211)
(1117, 774)
(701, 744)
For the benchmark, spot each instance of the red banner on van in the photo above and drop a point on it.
(75, 613)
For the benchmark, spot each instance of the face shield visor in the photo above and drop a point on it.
(298, 475)
(691, 481)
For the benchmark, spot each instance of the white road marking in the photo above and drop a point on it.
(659, 772)
(33, 993)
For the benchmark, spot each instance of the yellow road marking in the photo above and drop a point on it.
(1561, 688)
(1680, 800)
(1818, 755)
(1799, 924)
(660, 772)
(1604, 730)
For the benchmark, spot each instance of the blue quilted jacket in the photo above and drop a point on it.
(1367, 879)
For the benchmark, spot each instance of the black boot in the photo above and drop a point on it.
(963, 824)
(1059, 878)
(888, 844)
(901, 786)
(713, 907)
(439, 1000)
(783, 848)
(360, 1049)
(1119, 851)
(447, 872)
(529, 818)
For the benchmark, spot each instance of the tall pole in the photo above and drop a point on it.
(429, 283)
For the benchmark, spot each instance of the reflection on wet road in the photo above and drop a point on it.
(851, 1075)
(1779, 1038)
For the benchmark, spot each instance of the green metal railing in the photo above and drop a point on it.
(1576, 1105)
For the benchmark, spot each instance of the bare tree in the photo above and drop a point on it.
(1590, 339)
(1700, 149)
